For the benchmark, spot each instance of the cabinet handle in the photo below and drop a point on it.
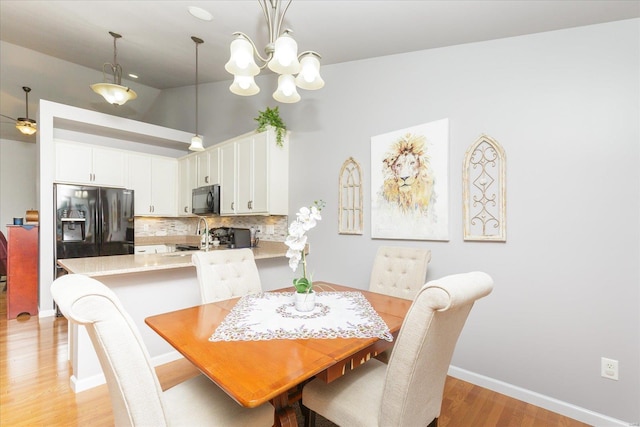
(206, 179)
(186, 210)
(232, 208)
(250, 204)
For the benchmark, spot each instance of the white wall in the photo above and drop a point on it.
(565, 106)
(17, 180)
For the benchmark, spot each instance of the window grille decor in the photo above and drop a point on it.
(484, 191)
(350, 197)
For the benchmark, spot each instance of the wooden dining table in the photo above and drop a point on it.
(256, 372)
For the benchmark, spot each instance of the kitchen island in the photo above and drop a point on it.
(150, 284)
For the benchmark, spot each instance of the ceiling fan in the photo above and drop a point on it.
(24, 124)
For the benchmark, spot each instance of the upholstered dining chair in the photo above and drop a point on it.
(224, 274)
(136, 396)
(399, 271)
(407, 391)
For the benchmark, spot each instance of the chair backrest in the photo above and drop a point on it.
(136, 395)
(224, 274)
(399, 271)
(420, 360)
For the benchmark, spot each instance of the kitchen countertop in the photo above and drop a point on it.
(124, 264)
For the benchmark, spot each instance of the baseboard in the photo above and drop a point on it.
(94, 381)
(86, 383)
(537, 399)
(46, 313)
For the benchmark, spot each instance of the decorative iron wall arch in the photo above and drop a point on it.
(484, 191)
(350, 198)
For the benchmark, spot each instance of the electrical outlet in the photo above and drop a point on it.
(270, 229)
(609, 368)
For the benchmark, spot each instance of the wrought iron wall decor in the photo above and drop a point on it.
(350, 197)
(484, 191)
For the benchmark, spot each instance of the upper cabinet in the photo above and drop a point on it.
(208, 167)
(254, 176)
(153, 180)
(187, 181)
(87, 164)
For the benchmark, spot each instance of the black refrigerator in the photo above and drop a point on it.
(93, 221)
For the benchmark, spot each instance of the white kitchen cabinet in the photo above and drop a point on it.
(153, 179)
(254, 176)
(208, 167)
(187, 181)
(88, 164)
(228, 179)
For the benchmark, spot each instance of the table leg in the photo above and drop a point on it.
(284, 415)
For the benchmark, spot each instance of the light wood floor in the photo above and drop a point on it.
(34, 386)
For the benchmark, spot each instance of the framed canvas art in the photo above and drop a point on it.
(410, 183)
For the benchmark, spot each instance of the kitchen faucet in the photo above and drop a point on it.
(206, 233)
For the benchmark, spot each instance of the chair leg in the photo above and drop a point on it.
(309, 416)
(433, 423)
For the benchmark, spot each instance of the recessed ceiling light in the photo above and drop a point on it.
(200, 13)
(133, 76)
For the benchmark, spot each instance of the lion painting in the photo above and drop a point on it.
(408, 178)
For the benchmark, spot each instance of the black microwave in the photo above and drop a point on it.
(206, 200)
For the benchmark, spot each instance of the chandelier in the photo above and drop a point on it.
(114, 93)
(282, 57)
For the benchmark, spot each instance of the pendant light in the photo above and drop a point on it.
(114, 93)
(196, 140)
(295, 71)
(24, 124)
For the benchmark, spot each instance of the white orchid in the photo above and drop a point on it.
(306, 219)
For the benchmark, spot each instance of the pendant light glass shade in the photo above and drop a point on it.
(114, 93)
(196, 143)
(309, 77)
(244, 86)
(286, 91)
(241, 62)
(285, 56)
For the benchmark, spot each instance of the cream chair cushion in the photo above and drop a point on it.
(399, 271)
(226, 273)
(136, 396)
(407, 391)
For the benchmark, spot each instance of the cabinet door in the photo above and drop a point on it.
(227, 179)
(244, 175)
(74, 163)
(204, 175)
(108, 167)
(214, 165)
(164, 173)
(140, 183)
(260, 178)
(187, 179)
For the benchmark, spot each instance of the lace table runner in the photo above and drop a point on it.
(272, 315)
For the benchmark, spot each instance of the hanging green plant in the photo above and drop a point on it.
(271, 117)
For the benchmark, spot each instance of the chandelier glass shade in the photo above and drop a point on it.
(196, 140)
(282, 57)
(113, 92)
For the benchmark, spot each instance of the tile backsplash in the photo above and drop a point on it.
(185, 226)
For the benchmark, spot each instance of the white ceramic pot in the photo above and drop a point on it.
(305, 302)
